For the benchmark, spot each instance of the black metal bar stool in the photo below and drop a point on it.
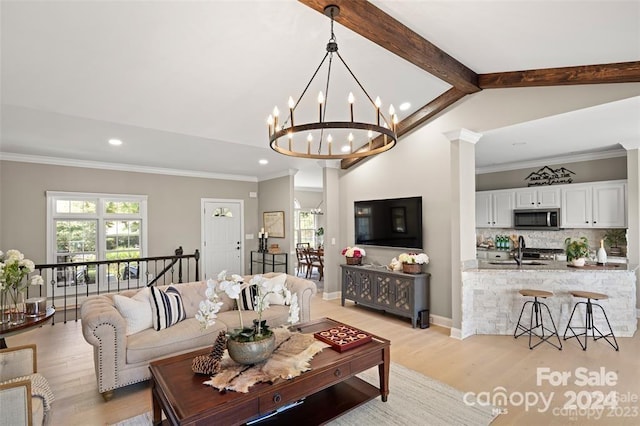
(536, 325)
(589, 325)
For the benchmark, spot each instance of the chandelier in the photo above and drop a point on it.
(328, 139)
(317, 210)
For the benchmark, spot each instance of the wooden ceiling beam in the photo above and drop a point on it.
(622, 72)
(372, 23)
(418, 118)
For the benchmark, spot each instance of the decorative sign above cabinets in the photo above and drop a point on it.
(549, 176)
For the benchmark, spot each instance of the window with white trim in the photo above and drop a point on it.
(305, 226)
(84, 227)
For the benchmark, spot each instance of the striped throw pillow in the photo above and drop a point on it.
(247, 298)
(167, 307)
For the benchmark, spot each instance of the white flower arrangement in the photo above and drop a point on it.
(13, 270)
(419, 258)
(233, 286)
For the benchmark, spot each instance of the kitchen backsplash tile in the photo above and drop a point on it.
(546, 239)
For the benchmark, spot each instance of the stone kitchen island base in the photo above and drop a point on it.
(491, 303)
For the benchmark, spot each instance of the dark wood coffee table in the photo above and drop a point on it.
(329, 389)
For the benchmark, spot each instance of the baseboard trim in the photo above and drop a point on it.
(456, 333)
(441, 321)
(331, 296)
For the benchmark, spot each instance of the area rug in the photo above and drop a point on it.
(414, 399)
(291, 358)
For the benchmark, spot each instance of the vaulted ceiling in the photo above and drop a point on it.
(187, 86)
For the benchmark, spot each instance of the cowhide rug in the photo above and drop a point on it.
(291, 358)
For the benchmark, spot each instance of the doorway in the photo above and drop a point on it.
(222, 242)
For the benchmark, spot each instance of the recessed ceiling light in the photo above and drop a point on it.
(405, 106)
(115, 142)
(263, 161)
(345, 148)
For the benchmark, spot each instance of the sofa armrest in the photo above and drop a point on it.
(305, 289)
(105, 329)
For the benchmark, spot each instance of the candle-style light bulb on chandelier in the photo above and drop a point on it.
(282, 135)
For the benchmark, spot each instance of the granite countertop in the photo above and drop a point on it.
(549, 265)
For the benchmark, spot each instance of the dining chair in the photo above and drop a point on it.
(314, 260)
(303, 263)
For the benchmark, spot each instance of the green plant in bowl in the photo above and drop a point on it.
(576, 249)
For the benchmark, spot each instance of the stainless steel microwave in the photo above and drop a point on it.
(543, 219)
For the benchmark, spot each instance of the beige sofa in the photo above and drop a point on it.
(121, 360)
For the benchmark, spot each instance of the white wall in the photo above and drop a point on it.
(420, 165)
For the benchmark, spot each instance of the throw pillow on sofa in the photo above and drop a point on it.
(248, 294)
(167, 307)
(278, 281)
(247, 298)
(135, 310)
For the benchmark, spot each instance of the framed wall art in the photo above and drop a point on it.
(274, 224)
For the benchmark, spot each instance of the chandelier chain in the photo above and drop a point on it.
(361, 86)
(333, 36)
(326, 101)
(307, 87)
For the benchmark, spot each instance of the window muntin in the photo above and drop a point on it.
(71, 206)
(122, 207)
(305, 227)
(122, 239)
(88, 227)
(75, 238)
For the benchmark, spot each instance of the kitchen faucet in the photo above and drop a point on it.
(521, 246)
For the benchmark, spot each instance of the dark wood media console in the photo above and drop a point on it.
(394, 292)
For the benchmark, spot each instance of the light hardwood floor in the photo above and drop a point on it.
(476, 364)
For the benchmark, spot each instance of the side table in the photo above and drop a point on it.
(7, 330)
(269, 261)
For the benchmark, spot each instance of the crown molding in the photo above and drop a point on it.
(629, 145)
(464, 135)
(55, 161)
(551, 160)
(287, 172)
(309, 188)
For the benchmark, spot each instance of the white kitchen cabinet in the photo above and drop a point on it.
(494, 209)
(594, 205)
(609, 205)
(531, 198)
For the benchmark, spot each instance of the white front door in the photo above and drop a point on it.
(222, 247)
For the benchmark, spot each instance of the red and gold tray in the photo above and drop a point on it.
(343, 337)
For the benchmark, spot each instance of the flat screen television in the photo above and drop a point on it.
(394, 222)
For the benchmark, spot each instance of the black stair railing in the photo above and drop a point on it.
(69, 284)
